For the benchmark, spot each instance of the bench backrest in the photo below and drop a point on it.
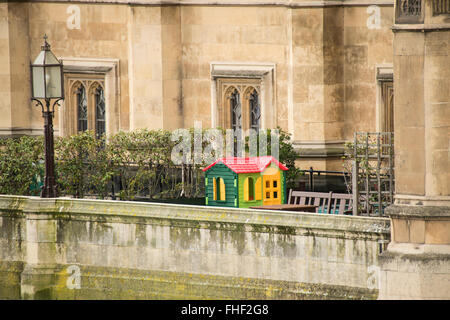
(320, 199)
(341, 203)
(335, 203)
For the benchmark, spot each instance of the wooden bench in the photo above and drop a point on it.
(331, 203)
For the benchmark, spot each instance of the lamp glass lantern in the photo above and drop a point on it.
(46, 84)
(47, 75)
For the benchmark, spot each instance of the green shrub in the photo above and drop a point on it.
(21, 165)
(82, 164)
(141, 160)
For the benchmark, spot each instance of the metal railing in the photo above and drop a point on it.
(373, 179)
(322, 181)
(170, 182)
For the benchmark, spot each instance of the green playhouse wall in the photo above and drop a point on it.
(255, 176)
(247, 204)
(222, 171)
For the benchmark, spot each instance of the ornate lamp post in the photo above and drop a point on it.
(46, 84)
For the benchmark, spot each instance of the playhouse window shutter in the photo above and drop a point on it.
(222, 190)
(246, 189)
(214, 189)
(251, 189)
(258, 191)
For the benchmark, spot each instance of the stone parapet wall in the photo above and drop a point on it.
(172, 251)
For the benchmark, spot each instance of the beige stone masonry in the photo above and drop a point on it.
(323, 56)
(228, 243)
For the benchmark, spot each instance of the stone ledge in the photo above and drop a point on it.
(320, 153)
(420, 212)
(415, 249)
(319, 149)
(433, 258)
(349, 227)
(416, 200)
(421, 27)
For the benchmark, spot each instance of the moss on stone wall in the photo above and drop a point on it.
(118, 283)
(129, 250)
(10, 272)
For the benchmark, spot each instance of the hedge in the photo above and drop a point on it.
(136, 163)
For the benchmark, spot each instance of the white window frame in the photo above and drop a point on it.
(266, 72)
(109, 69)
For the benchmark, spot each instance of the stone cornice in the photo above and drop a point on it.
(279, 3)
(421, 27)
(418, 212)
(348, 227)
(416, 200)
(319, 149)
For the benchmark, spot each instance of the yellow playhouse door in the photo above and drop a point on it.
(271, 186)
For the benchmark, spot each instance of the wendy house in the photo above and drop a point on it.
(245, 182)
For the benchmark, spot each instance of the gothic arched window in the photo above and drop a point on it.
(255, 110)
(240, 109)
(99, 112)
(82, 109)
(240, 104)
(236, 119)
(235, 108)
(85, 105)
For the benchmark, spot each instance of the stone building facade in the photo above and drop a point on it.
(320, 70)
(416, 264)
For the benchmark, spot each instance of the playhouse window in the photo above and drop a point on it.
(219, 189)
(249, 189)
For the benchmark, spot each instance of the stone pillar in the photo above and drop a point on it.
(40, 254)
(416, 264)
(15, 106)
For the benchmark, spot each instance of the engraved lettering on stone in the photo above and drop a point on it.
(74, 20)
(374, 20)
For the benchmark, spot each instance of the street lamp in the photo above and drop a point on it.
(46, 84)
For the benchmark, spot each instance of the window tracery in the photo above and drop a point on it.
(85, 105)
(82, 111)
(239, 103)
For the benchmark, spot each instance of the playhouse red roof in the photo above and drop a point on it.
(247, 165)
